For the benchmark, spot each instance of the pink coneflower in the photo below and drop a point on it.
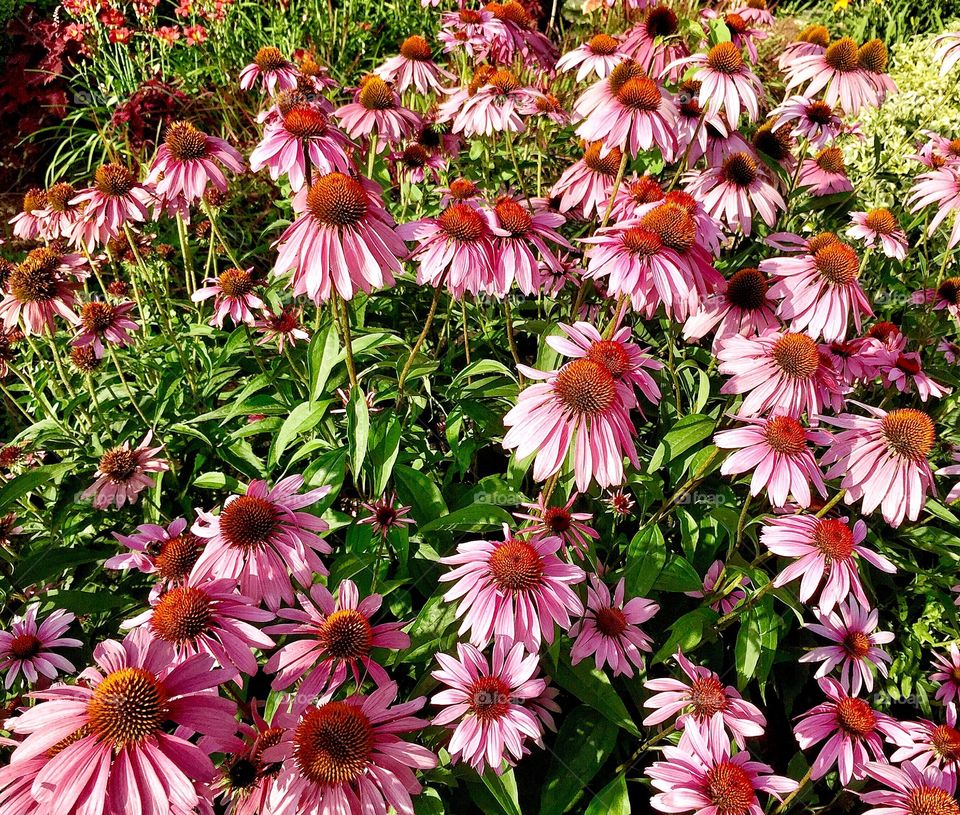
(696, 127)
(588, 182)
(952, 469)
(27, 648)
(945, 296)
(487, 701)
(933, 745)
(630, 111)
(28, 223)
(275, 72)
(632, 195)
(38, 290)
(905, 372)
(950, 351)
(385, 515)
(343, 239)
(302, 131)
(610, 629)
(873, 58)
(117, 719)
(940, 187)
(599, 56)
(823, 548)
(377, 111)
(726, 83)
(456, 247)
(347, 757)
(947, 675)
(338, 639)
(168, 553)
(473, 30)
(519, 37)
(808, 119)
(627, 362)
(734, 190)
(742, 28)
(714, 580)
(836, 70)
(415, 163)
(58, 216)
(755, 11)
(910, 790)
(820, 293)
(879, 226)
(188, 160)
(262, 537)
(102, 322)
(123, 473)
(858, 360)
(891, 339)
(548, 521)
(825, 173)
(699, 700)
(247, 780)
(499, 104)
(654, 45)
(699, 775)
(204, 616)
(779, 373)
(854, 732)
(855, 650)
(234, 293)
(285, 327)
(580, 406)
(526, 240)
(620, 503)
(813, 39)
(514, 588)
(777, 451)
(115, 200)
(414, 67)
(882, 460)
(947, 50)
(633, 260)
(741, 305)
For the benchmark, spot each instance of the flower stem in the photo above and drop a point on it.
(801, 785)
(511, 339)
(191, 279)
(342, 317)
(126, 386)
(423, 334)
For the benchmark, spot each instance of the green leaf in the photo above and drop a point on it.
(217, 481)
(503, 787)
(646, 557)
(91, 602)
(582, 746)
(324, 353)
(27, 482)
(613, 799)
(384, 455)
(687, 432)
(430, 627)
(474, 518)
(301, 419)
(358, 430)
(593, 688)
(420, 492)
(678, 575)
(688, 632)
(757, 639)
